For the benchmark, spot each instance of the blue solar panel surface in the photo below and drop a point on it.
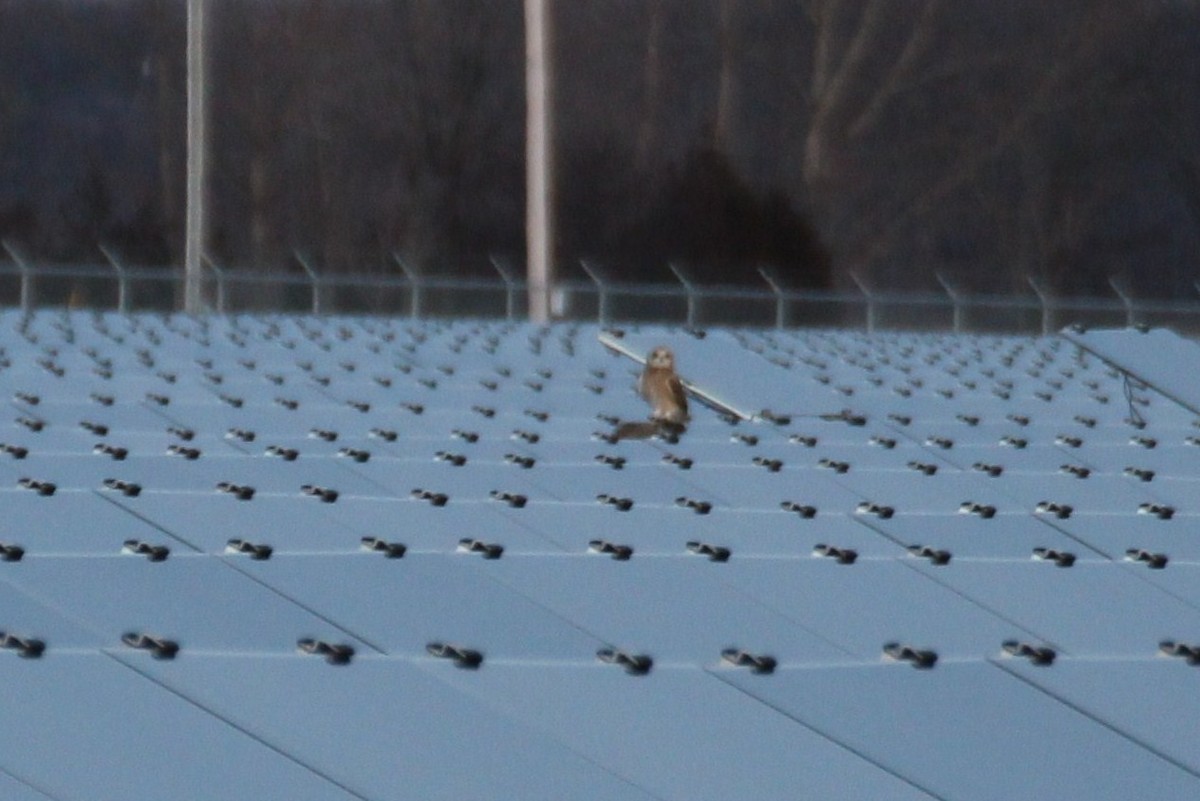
(358, 558)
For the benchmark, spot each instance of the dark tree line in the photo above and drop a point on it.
(979, 141)
(81, 124)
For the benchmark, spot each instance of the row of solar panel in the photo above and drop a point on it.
(537, 689)
(828, 588)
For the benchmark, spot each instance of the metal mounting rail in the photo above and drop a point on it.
(702, 395)
(1156, 358)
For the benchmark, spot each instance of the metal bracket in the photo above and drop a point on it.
(703, 396)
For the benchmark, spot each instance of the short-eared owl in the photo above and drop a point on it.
(660, 386)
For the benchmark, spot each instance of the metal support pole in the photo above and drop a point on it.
(689, 290)
(414, 279)
(314, 278)
(1126, 299)
(602, 302)
(122, 279)
(197, 142)
(862, 287)
(26, 275)
(220, 274)
(1047, 305)
(539, 158)
(510, 286)
(955, 300)
(780, 308)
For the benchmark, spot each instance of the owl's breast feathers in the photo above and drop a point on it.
(663, 390)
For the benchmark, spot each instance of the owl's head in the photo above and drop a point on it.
(661, 358)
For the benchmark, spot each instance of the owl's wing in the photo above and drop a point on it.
(678, 395)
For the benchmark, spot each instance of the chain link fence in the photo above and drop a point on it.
(409, 294)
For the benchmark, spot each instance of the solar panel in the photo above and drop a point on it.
(972, 535)
(612, 599)
(68, 522)
(400, 605)
(968, 730)
(132, 592)
(861, 607)
(1158, 357)
(1060, 603)
(1134, 696)
(369, 558)
(679, 733)
(90, 725)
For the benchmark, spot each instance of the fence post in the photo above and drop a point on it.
(862, 287)
(602, 303)
(1047, 305)
(122, 279)
(689, 291)
(26, 275)
(220, 274)
(780, 308)
(1126, 299)
(955, 300)
(313, 278)
(414, 279)
(510, 286)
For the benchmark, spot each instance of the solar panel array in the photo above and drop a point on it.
(332, 558)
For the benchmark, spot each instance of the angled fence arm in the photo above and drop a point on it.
(870, 297)
(414, 280)
(780, 307)
(510, 285)
(1047, 301)
(122, 279)
(1126, 297)
(955, 300)
(26, 275)
(689, 291)
(602, 300)
(220, 276)
(314, 278)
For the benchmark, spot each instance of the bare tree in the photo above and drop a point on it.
(350, 129)
(652, 83)
(910, 114)
(724, 126)
(165, 62)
